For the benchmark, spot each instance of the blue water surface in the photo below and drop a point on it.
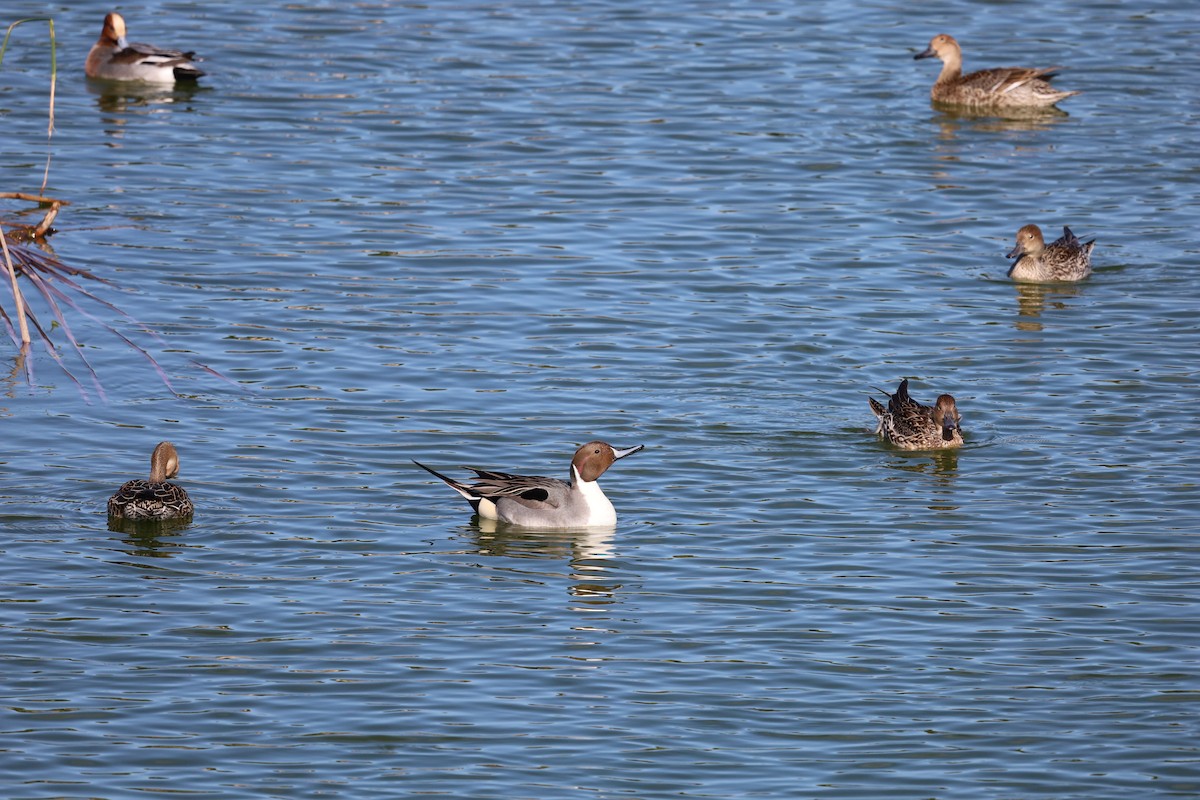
(480, 233)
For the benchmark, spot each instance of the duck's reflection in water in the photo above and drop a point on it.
(1034, 298)
(150, 538)
(954, 121)
(585, 550)
(941, 466)
(115, 97)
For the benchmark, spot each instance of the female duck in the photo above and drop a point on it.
(1002, 87)
(155, 498)
(112, 58)
(1064, 259)
(911, 426)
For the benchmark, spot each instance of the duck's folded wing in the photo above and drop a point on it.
(1002, 80)
(900, 404)
(532, 491)
(152, 50)
(151, 55)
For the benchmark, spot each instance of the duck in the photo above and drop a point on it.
(155, 498)
(1064, 259)
(112, 58)
(1000, 87)
(531, 501)
(909, 425)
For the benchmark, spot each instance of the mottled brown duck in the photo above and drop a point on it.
(156, 498)
(911, 426)
(1000, 87)
(1064, 259)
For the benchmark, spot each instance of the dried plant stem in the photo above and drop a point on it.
(53, 79)
(50, 123)
(42, 228)
(33, 198)
(18, 298)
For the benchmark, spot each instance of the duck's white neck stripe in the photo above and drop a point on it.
(600, 508)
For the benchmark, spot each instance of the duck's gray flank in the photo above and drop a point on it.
(533, 501)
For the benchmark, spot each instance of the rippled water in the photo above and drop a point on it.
(485, 233)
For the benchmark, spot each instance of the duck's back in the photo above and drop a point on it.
(1067, 258)
(1001, 86)
(140, 499)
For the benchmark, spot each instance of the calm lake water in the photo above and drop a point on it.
(484, 233)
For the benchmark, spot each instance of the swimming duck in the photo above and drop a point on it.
(155, 498)
(1064, 259)
(114, 59)
(1001, 87)
(912, 426)
(536, 502)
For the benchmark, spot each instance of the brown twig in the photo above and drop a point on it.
(20, 232)
(18, 298)
(34, 198)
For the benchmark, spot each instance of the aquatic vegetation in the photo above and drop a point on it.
(58, 285)
(25, 260)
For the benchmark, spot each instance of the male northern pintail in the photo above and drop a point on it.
(535, 502)
(155, 498)
(1002, 87)
(112, 58)
(912, 426)
(1064, 259)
